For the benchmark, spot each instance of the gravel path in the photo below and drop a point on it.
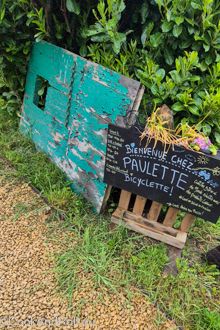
(28, 297)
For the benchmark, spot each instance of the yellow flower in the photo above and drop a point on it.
(196, 148)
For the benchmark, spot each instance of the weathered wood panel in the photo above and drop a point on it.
(82, 98)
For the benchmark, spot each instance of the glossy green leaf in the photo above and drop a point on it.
(208, 59)
(168, 15)
(2, 14)
(73, 6)
(194, 110)
(83, 50)
(166, 26)
(206, 47)
(144, 12)
(175, 76)
(191, 29)
(179, 20)
(217, 137)
(154, 90)
(168, 55)
(183, 44)
(195, 78)
(196, 5)
(41, 91)
(177, 30)
(206, 128)
(119, 39)
(146, 32)
(161, 73)
(177, 107)
(156, 39)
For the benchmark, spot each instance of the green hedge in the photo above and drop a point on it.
(171, 46)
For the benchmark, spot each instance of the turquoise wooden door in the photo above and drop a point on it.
(70, 122)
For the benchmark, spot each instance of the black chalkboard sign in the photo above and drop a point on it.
(178, 177)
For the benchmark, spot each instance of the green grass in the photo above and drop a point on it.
(34, 167)
(186, 295)
(116, 259)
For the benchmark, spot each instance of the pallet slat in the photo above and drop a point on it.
(155, 234)
(187, 222)
(170, 217)
(153, 224)
(154, 212)
(124, 199)
(139, 205)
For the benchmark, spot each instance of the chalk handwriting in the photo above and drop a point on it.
(175, 176)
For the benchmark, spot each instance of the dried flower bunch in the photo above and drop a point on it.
(159, 126)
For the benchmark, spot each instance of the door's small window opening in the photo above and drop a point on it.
(40, 93)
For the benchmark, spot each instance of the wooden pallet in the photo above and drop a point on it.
(148, 225)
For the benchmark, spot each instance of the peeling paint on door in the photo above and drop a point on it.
(81, 99)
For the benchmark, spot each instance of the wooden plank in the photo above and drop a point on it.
(134, 113)
(152, 233)
(139, 205)
(106, 197)
(154, 212)
(118, 213)
(170, 217)
(152, 224)
(182, 236)
(187, 222)
(124, 199)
